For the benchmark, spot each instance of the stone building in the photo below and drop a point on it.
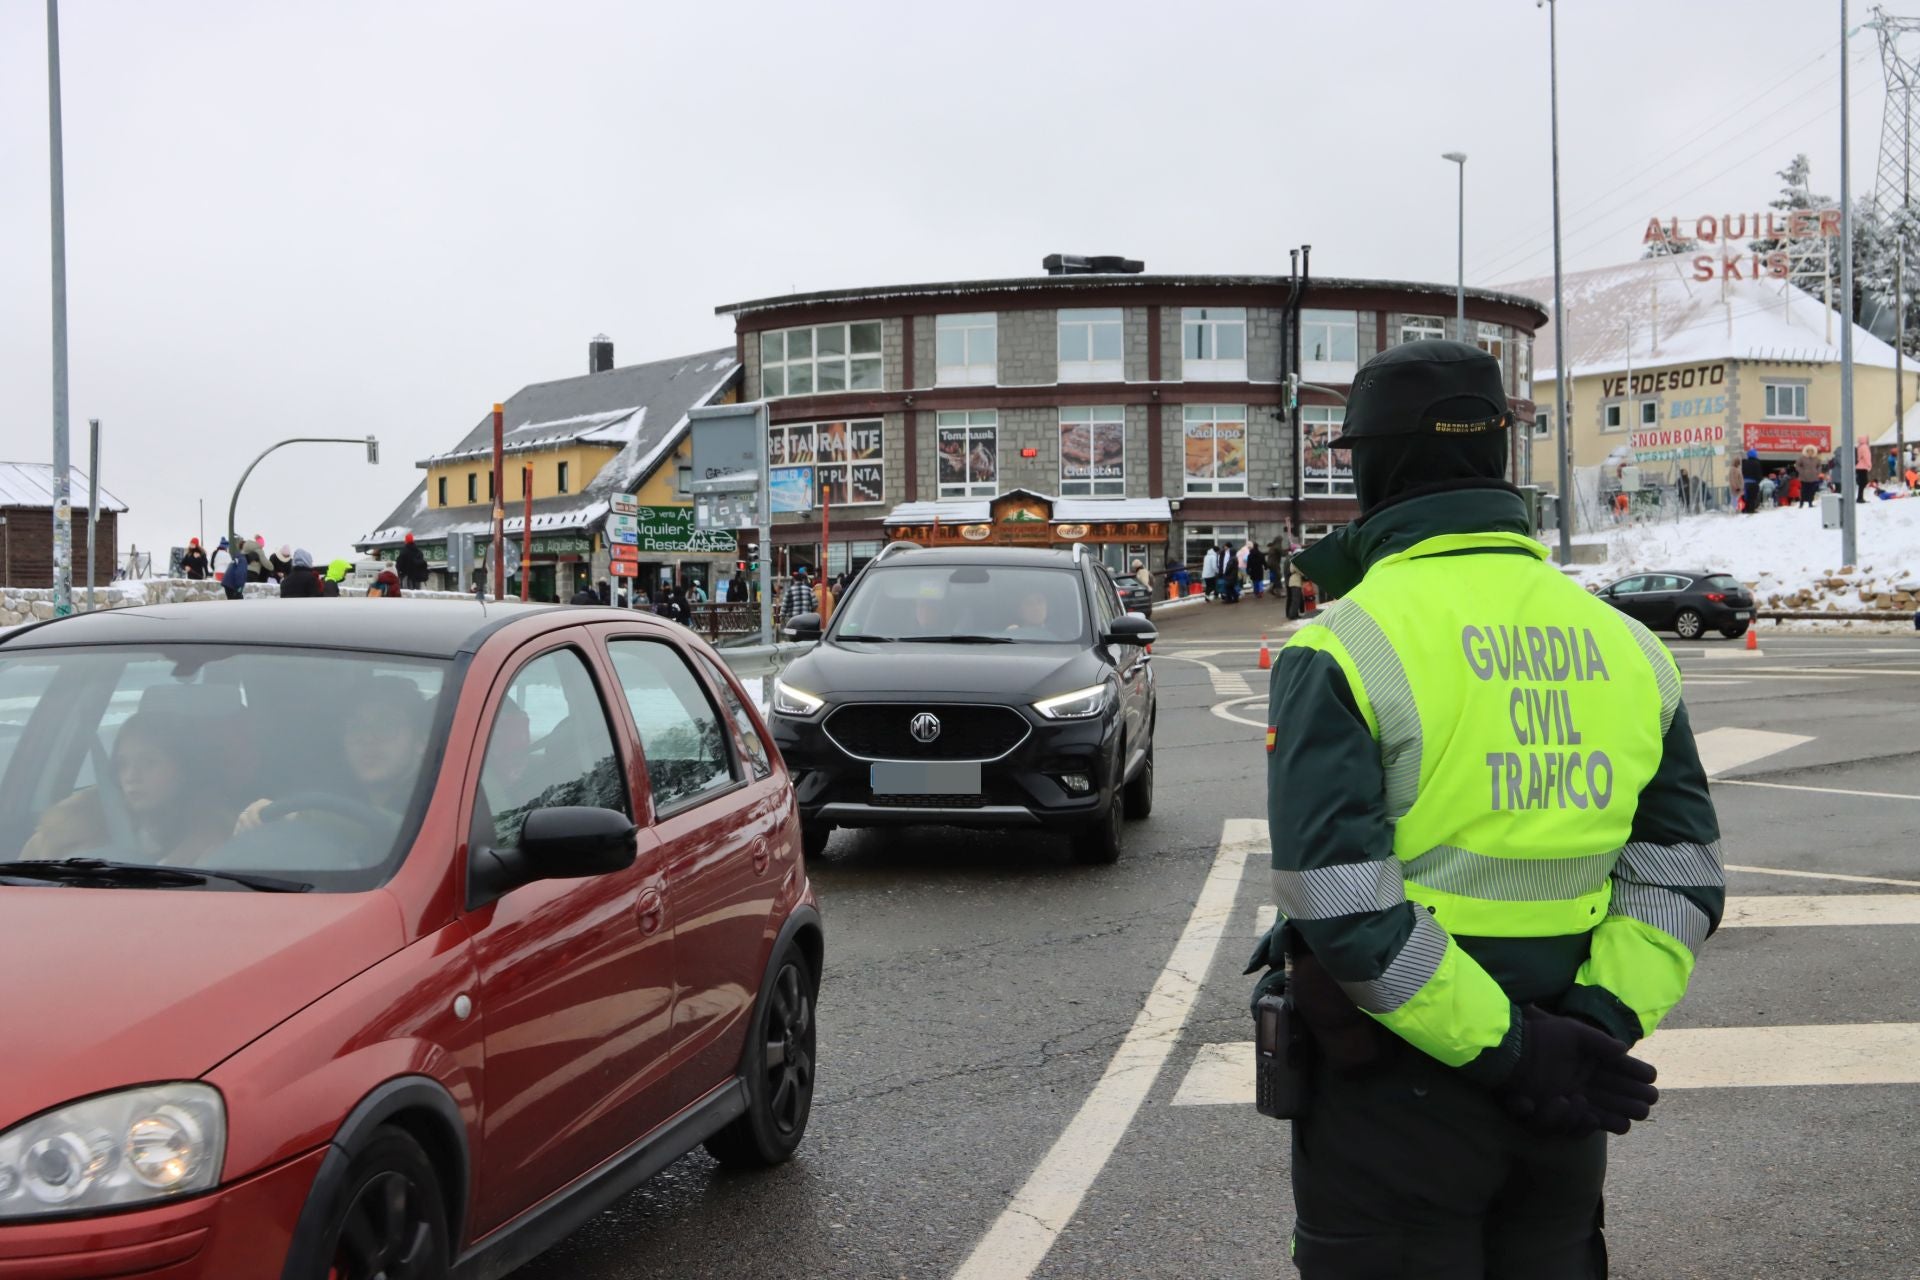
(921, 406)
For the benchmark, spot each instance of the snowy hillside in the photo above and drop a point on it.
(1782, 553)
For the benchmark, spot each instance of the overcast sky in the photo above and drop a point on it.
(349, 216)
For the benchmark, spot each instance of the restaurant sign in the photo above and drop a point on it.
(671, 529)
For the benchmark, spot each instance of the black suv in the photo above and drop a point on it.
(973, 687)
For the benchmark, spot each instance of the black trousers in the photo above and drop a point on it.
(1408, 1171)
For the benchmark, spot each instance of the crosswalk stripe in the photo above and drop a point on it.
(1687, 1058)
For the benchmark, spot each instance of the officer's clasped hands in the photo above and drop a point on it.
(1573, 1078)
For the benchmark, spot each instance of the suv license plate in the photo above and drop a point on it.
(928, 778)
(1742, 616)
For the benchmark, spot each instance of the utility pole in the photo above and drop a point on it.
(1561, 444)
(498, 503)
(62, 461)
(1849, 516)
(93, 502)
(1460, 243)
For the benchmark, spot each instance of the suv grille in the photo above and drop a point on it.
(881, 731)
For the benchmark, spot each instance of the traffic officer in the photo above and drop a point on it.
(1493, 851)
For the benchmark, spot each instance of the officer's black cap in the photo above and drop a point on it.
(1426, 388)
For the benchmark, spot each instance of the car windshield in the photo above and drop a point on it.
(1006, 603)
(301, 766)
(1723, 582)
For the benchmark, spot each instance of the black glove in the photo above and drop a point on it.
(1573, 1078)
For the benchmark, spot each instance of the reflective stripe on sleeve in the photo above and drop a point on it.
(1663, 909)
(1665, 673)
(1391, 696)
(1351, 888)
(1688, 864)
(1412, 967)
(1475, 875)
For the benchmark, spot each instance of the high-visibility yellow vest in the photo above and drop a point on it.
(1518, 719)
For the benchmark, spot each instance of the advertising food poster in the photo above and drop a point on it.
(1076, 451)
(953, 455)
(1230, 450)
(1199, 450)
(1319, 461)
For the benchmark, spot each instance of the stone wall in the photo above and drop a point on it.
(20, 605)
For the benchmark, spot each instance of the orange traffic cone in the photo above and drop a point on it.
(1266, 658)
(1753, 640)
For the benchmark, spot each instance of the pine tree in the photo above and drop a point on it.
(1665, 248)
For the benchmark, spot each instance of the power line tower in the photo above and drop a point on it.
(1893, 189)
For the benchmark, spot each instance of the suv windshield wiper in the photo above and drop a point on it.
(867, 639)
(139, 875)
(960, 639)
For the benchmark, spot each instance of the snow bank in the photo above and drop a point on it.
(1783, 554)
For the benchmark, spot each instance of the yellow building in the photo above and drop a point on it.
(572, 445)
(1673, 375)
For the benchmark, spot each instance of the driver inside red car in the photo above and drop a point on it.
(382, 736)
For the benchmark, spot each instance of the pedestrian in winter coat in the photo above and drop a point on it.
(1276, 565)
(1146, 578)
(1296, 590)
(301, 582)
(337, 571)
(1807, 468)
(739, 591)
(279, 563)
(1862, 468)
(585, 595)
(386, 586)
(194, 563)
(1229, 575)
(255, 559)
(1210, 570)
(1752, 472)
(1257, 568)
(411, 565)
(234, 579)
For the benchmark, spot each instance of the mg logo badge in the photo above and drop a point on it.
(925, 727)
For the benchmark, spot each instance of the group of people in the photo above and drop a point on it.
(1226, 571)
(250, 562)
(1765, 484)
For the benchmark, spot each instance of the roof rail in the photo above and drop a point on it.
(1079, 550)
(901, 544)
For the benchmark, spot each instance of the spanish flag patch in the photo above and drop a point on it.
(1271, 730)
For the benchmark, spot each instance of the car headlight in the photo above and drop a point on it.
(138, 1145)
(789, 701)
(1081, 704)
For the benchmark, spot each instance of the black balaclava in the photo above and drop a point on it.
(1389, 468)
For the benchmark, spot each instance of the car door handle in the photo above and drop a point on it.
(652, 911)
(761, 856)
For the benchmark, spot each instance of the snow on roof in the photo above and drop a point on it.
(1612, 310)
(617, 426)
(30, 484)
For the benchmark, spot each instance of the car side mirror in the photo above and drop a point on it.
(802, 626)
(567, 842)
(1131, 628)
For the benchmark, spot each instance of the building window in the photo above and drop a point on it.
(1422, 328)
(842, 461)
(442, 489)
(490, 494)
(862, 554)
(965, 351)
(1329, 345)
(1487, 338)
(1542, 421)
(1201, 536)
(826, 357)
(560, 478)
(1649, 413)
(969, 453)
(1324, 471)
(1093, 452)
(1523, 367)
(473, 486)
(1090, 349)
(1213, 343)
(1613, 417)
(1216, 448)
(1786, 400)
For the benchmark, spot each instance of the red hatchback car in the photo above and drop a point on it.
(348, 938)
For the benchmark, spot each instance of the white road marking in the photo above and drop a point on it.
(1222, 710)
(1688, 1058)
(1732, 651)
(1263, 918)
(1020, 1238)
(1729, 748)
(1821, 875)
(1773, 911)
(1824, 791)
(1226, 684)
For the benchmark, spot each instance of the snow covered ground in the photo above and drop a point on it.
(1782, 553)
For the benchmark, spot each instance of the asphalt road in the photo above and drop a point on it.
(982, 992)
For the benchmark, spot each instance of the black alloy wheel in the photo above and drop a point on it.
(779, 1072)
(1688, 625)
(391, 1223)
(813, 838)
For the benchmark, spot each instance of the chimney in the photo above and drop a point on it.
(1071, 264)
(599, 353)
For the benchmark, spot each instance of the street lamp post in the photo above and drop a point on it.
(1849, 521)
(1565, 477)
(233, 507)
(1460, 276)
(62, 467)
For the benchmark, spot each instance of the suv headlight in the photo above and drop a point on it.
(789, 701)
(1081, 704)
(138, 1145)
